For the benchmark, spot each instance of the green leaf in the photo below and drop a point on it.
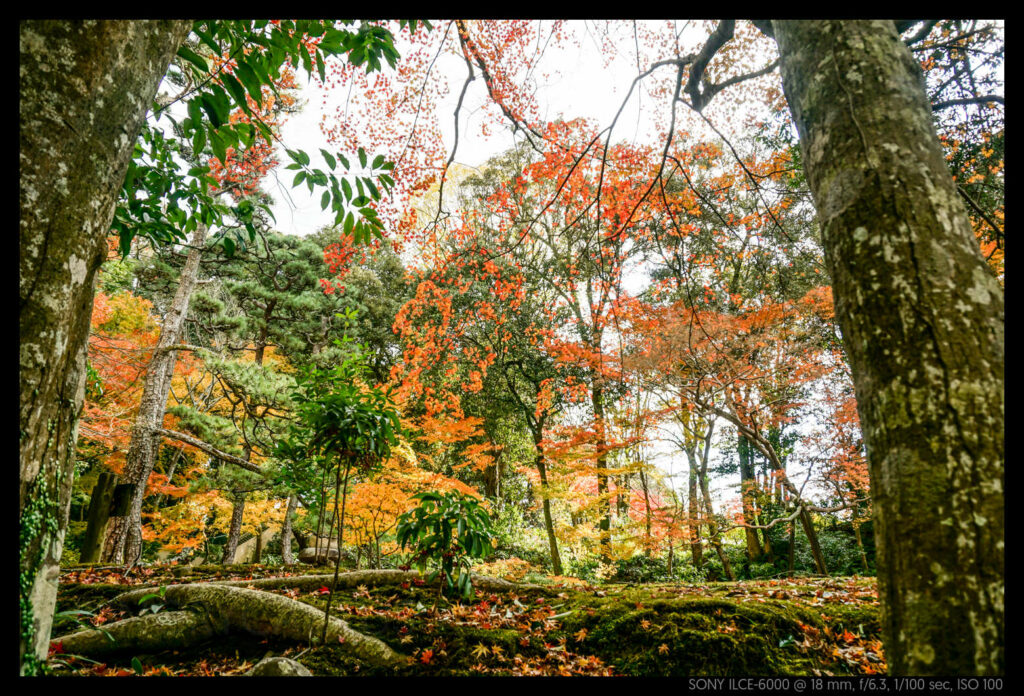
(218, 146)
(199, 141)
(237, 91)
(329, 158)
(251, 81)
(207, 39)
(320, 68)
(377, 161)
(298, 178)
(362, 157)
(209, 106)
(193, 58)
(325, 200)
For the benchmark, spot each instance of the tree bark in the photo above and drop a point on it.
(84, 88)
(713, 535)
(549, 525)
(604, 499)
(922, 323)
(99, 516)
(748, 488)
(693, 520)
(124, 539)
(237, 512)
(286, 531)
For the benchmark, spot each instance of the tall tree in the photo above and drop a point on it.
(84, 92)
(922, 322)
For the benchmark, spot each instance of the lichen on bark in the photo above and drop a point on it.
(84, 90)
(922, 322)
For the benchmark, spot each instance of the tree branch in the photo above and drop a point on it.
(209, 449)
(970, 100)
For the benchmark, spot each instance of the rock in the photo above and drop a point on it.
(310, 557)
(278, 667)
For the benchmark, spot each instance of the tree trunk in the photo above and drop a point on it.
(860, 547)
(604, 499)
(647, 514)
(124, 540)
(99, 516)
(237, 512)
(286, 531)
(716, 541)
(84, 88)
(748, 488)
(549, 525)
(922, 322)
(693, 520)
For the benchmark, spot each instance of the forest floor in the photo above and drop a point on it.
(804, 626)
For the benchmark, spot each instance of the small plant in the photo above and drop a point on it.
(153, 608)
(447, 530)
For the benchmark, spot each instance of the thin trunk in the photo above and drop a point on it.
(748, 490)
(604, 499)
(922, 323)
(860, 547)
(716, 542)
(84, 89)
(693, 520)
(99, 515)
(772, 457)
(556, 561)
(286, 531)
(647, 515)
(124, 538)
(341, 535)
(792, 550)
(237, 512)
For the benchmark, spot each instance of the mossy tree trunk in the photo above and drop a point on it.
(922, 323)
(84, 90)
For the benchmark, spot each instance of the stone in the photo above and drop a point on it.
(278, 667)
(310, 557)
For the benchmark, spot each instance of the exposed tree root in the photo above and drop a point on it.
(216, 611)
(370, 578)
(168, 630)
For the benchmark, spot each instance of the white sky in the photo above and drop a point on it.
(579, 86)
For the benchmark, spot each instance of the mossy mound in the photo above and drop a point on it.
(692, 637)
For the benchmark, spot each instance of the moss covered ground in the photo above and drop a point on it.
(768, 627)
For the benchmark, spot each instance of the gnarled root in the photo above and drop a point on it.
(219, 609)
(370, 578)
